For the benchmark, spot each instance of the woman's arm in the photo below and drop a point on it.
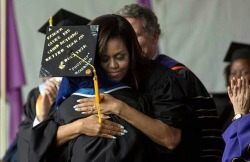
(89, 126)
(155, 129)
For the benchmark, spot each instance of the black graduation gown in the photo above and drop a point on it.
(196, 88)
(26, 125)
(205, 107)
(165, 97)
(23, 135)
(130, 147)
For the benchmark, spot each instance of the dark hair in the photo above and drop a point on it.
(114, 26)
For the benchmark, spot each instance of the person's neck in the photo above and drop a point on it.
(155, 56)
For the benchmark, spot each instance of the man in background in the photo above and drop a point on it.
(147, 29)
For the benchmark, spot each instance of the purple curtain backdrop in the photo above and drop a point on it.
(146, 3)
(15, 78)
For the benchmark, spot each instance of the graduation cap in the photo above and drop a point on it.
(69, 51)
(238, 50)
(65, 18)
(65, 41)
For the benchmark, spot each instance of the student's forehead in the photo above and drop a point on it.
(241, 63)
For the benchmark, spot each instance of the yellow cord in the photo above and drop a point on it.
(50, 21)
(96, 88)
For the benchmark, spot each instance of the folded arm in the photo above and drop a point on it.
(89, 126)
(161, 133)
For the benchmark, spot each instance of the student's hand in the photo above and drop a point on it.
(107, 129)
(50, 92)
(239, 94)
(108, 105)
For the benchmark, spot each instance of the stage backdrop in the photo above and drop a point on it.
(195, 32)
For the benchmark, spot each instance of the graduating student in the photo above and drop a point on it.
(40, 100)
(162, 112)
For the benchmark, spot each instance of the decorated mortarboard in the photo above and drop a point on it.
(65, 18)
(69, 51)
(238, 50)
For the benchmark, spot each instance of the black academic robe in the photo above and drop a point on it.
(130, 147)
(164, 96)
(26, 125)
(23, 135)
(205, 107)
(196, 88)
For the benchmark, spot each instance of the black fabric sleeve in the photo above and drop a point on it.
(23, 135)
(166, 98)
(168, 101)
(196, 87)
(42, 140)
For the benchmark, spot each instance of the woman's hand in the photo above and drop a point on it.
(107, 129)
(48, 98)
(239, 94)
(89, 126)
(108, 105)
